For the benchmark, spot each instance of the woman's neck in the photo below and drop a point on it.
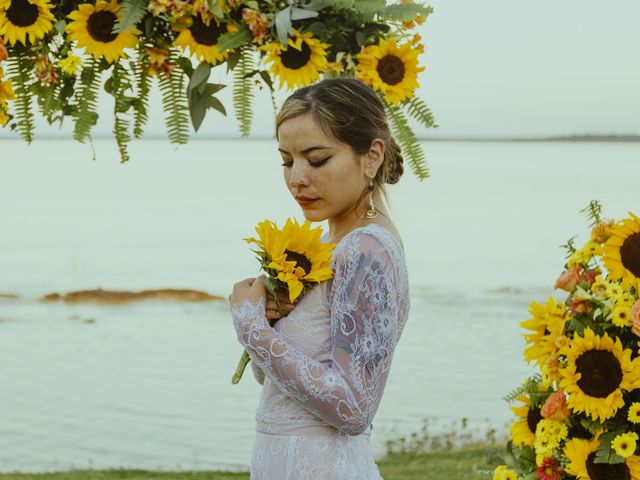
(340, 225)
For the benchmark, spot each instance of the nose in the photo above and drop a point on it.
(297, 176)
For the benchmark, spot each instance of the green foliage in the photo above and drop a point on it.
(419, 110)
(86, 100)
(200, 94)
(406, 11)
(143, 88)
(173, 91)
(231, 40)
(411, 149)
(20, 71)
(530, 387)
(570, 247)
(243, 91)
(604, 452)
(593, 211)
(132, 12)
(118, 86)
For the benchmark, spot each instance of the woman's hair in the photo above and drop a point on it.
(352, 113)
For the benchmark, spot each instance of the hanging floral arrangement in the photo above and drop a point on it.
(56, 56)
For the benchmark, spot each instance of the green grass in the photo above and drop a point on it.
(465, 464)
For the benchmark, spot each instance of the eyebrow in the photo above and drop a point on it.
(307, 150)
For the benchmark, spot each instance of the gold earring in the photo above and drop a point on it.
(372, 212)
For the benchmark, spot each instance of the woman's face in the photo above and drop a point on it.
(319, 169)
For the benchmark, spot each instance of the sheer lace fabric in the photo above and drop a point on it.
(324, 366)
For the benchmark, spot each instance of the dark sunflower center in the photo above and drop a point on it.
(301, 261)
(22, 13)
(206, 34)
(100, 26)
(606, 471)
(601, 373)
(533, 417)
(630, 254)
(391, 69)
(294, 59)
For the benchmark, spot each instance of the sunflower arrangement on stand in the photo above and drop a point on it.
(579, 417)
(294, 259)
(61, 53)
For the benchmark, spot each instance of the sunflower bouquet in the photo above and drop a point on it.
(294, 259)
(59, 53)
(579, 417)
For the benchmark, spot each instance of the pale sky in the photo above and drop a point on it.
(495, 68)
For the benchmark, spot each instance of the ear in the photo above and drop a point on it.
(372, 160)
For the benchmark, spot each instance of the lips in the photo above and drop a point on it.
(305, 201)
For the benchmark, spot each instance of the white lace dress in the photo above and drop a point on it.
(324, 366)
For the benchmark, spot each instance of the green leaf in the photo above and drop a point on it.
(417, 109)
(406, 11)
(20, 71)
(411, 148)
(302, 14)
(215, 8)
(213, 102)
(200, 75)
(283, 25)
(243, 91)
(231, 40)
(198, 110)
(132, 12)
(604, 452)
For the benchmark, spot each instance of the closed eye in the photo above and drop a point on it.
(317, 164)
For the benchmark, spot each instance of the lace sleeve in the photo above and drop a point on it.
(257, 373)
(344, 390)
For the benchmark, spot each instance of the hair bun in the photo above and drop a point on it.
(396, 162)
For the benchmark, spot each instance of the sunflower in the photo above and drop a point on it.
(622, 253)
(25, 19)
(389, 68)
(92, 27)
(294, 255)
(300, 62)
(581, 456)
(597, 371)
(547, 325)
(522, 431)
(202, 38)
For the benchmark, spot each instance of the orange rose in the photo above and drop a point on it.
(569, 278)
(635, 317)
(3, 51)
(555, 408)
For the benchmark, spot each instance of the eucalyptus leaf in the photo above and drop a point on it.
(197, 109)
(200, 75)
(213, 102)
(231, 40)
(301, 13)
(211, 88)
(283, 25)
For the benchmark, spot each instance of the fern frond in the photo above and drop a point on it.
(401, 12)
(243, 91)
(143, 89)
(120, 85)
(132, 12)
(411, 148)
(569, 247)
(173, 91)
(86, 100)
(529, 387)
(20, 72)
(593, 211)
(419, 110)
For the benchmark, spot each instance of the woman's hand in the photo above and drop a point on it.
(272, 313)
(254, 289)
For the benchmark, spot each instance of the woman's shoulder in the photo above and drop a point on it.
(373, 239)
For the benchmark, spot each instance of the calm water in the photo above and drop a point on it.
(147, 385)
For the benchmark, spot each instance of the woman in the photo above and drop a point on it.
(324, 366)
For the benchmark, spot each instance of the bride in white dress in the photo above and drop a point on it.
(324, 366)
